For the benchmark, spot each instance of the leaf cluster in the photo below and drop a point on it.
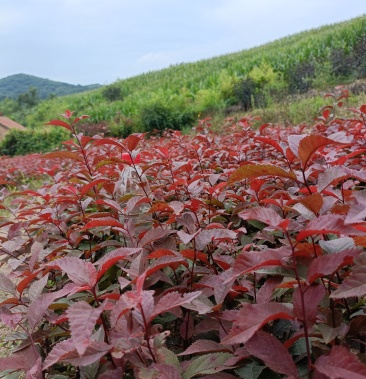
(236, 255)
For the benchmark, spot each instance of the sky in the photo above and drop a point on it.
(101, 41)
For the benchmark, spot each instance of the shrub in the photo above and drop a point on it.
(159, 116)
(245, 93)
(208, 100)
(299, 77)
(342, 63)
(112, 92)
(21, 142)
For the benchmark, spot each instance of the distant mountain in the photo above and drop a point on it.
(14, 85)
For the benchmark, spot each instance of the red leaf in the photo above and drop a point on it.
(252, 260)
(330, 263)
(77, 119)
(313, 202)
(309, 145)
(82, 320)
(162, 262)
(103, 222)
(90, 185)
(171, 301)
(127, 157)
(80, 272)
(272, 352)
(22, 360)
(340, 363)
(251, 171)
(205, 346)
(38, 307)
(327, 224)
(264, 295)
(271, 142)
(6, 285)
(154, 235)
(63, 154)
(265, 215)
(252, 317)
(60, 123)
(24, 283)
(67, 114)
(312, 296)
(355, 284)
(132, 140)
(112, 258)
(65, 351)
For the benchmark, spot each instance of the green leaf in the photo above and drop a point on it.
(207, 364)
(251, 370)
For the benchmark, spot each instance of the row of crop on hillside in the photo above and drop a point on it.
(236, 255)
(259, 77)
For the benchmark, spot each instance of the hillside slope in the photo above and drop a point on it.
(258, 78)
(15, 85)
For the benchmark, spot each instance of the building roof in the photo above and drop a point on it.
(7, 123)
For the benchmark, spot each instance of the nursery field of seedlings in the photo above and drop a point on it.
(237, 254)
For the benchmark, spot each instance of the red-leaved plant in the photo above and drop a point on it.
(231, 255)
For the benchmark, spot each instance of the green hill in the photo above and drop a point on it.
(273, 80)
(15, 85)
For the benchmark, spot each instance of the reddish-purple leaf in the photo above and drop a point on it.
(252, 317)
(64, 154)
(21, 360)
(132, 140)
(355, 284)
(65, 351)
(38, 307)
(331, 175)
(328, 264)
(340, 363)
(172, 300)
(264, 295)
(272, 352)
(309, 145)
(271, 142)
(6, 285)
(252, 260)
(214, 235)
(90, 185)
(357, 211)
(112, 222)
(265, 215)
(80, 272)
(60, 123)
(82, 319)
(312, 296)
(205, 346)
(326, 224)
(112, 258)
(251, 171)
(162, 262)
(154, 234)
(112, 374)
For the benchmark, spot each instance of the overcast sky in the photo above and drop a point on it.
(100, 41)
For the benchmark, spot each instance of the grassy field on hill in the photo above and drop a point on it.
(282, 81)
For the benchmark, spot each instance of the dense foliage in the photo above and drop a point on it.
(13, 86)
(235, 255)
(258, 77)
(22, 142)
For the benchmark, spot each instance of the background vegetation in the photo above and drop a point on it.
(282, 81)
(16, 85)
